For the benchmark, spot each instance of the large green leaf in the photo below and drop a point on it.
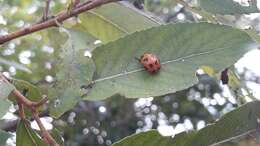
(226, 7)
(182, 48)
(25, 136)
(153, 138)
(3, 137)
(236, 123)
(112, 21)
(75, 71)
(83, 40)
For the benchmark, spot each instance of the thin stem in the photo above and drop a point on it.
(21, 110)
(45, 134)
(60, 17)
(41, 102)
(46, 10)
(82, 4)
(76, 3)
(22, 100)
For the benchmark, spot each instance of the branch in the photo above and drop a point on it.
(60, 17)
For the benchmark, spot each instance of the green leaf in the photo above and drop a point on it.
(228, 7)
(4, 107)
(75, 71)
(82, 39)
(238, 122)
(154, 138)
(3, 137)
(62, 100)
(26, 136)
(181, 54)
(151, 138)
(30, 91)
(234, 124)
(5, 89)
(57, 136)
(112, 21)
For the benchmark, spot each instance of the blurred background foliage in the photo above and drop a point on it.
(33, 58)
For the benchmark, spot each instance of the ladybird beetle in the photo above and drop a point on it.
(150, 62)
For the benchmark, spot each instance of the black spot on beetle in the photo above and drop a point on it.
(145, 59)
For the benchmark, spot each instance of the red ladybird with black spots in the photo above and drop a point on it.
(150, 62)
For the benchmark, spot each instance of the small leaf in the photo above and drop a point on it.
(57, 136)
(5, 88)
(228, 7)
(3, 137)
(4, 107)
(112, 21)
(208, 70)
(234, 124)
(26, 136)
(181, 54)
(76, 70)
(30, 91)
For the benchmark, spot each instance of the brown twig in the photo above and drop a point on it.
(41, 102)
(46, 11)
(44, 133)
(22, 100)
(21, 110)
(11, 125)
(60, 17)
